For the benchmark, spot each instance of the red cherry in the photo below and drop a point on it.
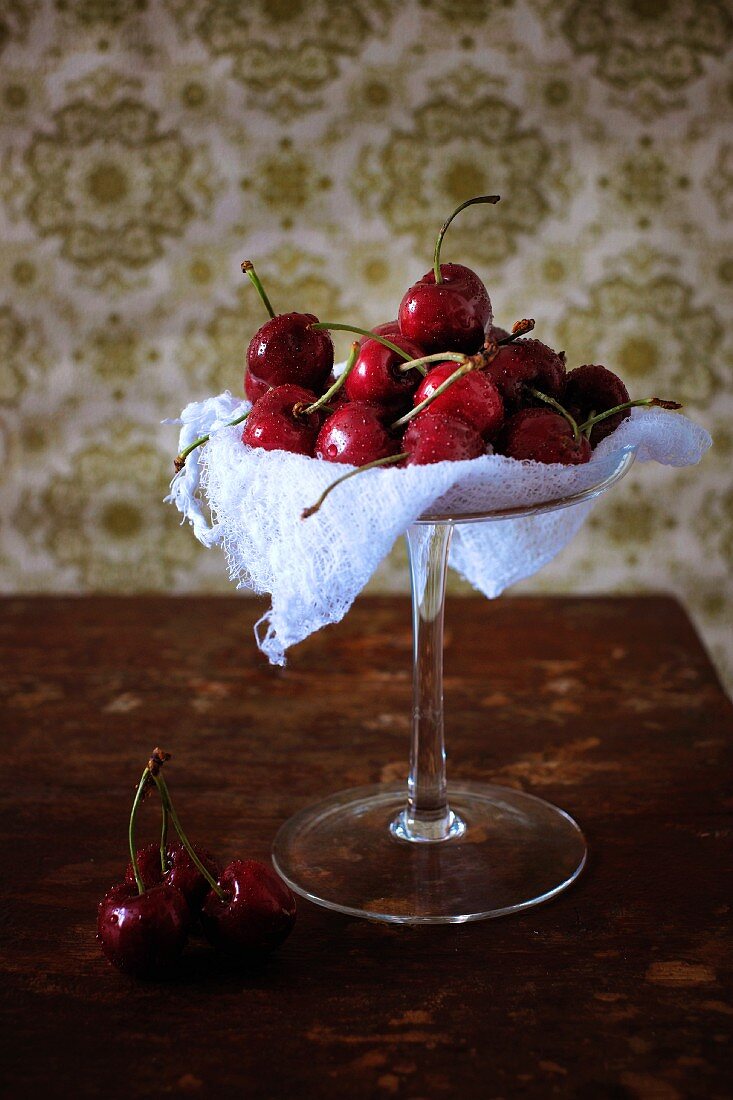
(376, 377)
(355, 434)
(143, 934)
(276, 424)
(182, 872)
(448, 316)
(543, 436)
(287, 350)
(473, 398)
(257, 914)
(438, 437)
(527, 363)
(593, 389)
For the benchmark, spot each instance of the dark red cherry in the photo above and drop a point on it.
(473, 398)
(593, 389)
(277, 423)
(182, 871)
(143, 934)
(527, 363)
(376, 377)
(355, 434)
(287, 350)
(437, 437)
(543, 436)
(449, 316)
(257, 914)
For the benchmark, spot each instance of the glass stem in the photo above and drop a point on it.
(427, 816)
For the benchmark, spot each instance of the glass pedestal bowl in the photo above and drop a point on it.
(438, 853)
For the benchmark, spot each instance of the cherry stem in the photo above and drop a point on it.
(389, 460)
(559, 408)
(337, 384)
(131, 829)
(180, 460)
(168, 804)
(322, 326)
(248, 268)
(164, 839)
(468, 365)
(444, 227)
(656, 401)
(519, 328)
(436, 357)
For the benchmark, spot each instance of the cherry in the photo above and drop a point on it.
(355, 434)
(256, 914)
(439, 437)
(286, 349)
(278, 422)
(593, 389)
(543, 436)
(376, 376)
(448, 309)
(526, 363)
(143, 934)
(182, 872)
(473, 398)
(452, 314)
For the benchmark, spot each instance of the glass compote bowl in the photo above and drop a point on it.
(438, 853)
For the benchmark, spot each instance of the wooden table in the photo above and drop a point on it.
(607, 706)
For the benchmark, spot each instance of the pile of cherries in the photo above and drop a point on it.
(441, 382)
(170, 888)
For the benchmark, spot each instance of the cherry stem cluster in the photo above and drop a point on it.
(444, 228)
(248, 268)
(151, 774)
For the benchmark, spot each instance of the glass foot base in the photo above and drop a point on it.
(515, 851)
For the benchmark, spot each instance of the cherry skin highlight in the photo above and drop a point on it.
(257, 915)
(143, 934)
(527, 363)
(376, 377)
(287, 350)
(182, 871)
(473, 398)
(543, 436)
(355, 434)
(438, 437)
(449, 316)
(593, 389)
(276, 424)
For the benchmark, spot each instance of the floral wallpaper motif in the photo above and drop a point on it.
(148, 146)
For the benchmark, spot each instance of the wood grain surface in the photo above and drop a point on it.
(609, 707)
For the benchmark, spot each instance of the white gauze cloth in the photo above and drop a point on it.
(313, 569)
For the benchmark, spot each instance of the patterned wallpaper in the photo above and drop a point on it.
(148, 146)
